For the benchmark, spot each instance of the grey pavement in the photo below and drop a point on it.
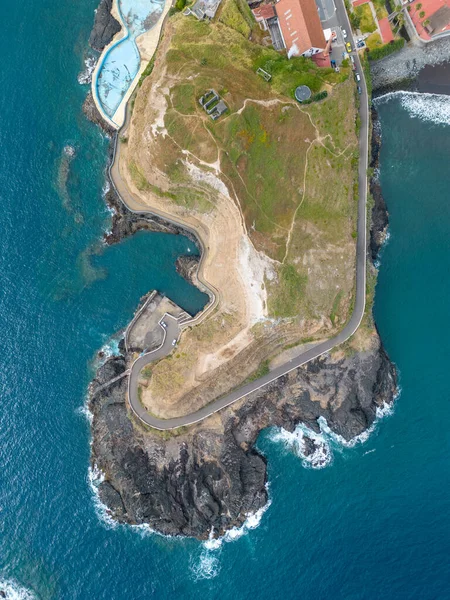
(172, 331)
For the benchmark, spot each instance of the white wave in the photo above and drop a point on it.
(69, 150)
(207, 566)
(95, 478)
(84, 411)
(434, 108)
(13, 591)
(252, 521)
(322, 455)
(85, 76)
(106, 187)
(369, 451)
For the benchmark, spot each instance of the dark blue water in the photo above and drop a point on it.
(374, 524)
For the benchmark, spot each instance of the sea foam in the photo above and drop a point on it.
(85, 76)
(13, 591)
(434, 108)
(296, 441)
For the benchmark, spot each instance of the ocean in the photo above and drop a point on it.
(374, 523)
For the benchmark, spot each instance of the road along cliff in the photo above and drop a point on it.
(210, 477)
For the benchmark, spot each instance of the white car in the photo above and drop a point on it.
(344, 34)
(163, 324)
(358, 77)
(174, 342)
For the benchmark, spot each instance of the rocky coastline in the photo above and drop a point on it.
(105, 26)
(210, 477)
(206, 479)
(402, 70)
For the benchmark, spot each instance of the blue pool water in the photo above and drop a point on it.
(121, 63)
(375, 524)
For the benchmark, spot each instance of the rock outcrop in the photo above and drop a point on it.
(210, 476)
(105, 26)
(380, 215)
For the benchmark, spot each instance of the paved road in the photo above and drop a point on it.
(306, 356)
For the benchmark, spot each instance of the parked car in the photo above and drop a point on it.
(348, 47)
(344, 34)
(360, 44)
(333, 63)
(174, 342)
(163, 324)
(337, 69)
(357, 77)
(359, 90)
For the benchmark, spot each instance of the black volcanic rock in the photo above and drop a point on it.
(380, 216)
(210, 476)
(105, 26)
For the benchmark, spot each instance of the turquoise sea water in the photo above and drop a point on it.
(374, 524)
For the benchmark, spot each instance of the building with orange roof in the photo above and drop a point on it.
(300, 27)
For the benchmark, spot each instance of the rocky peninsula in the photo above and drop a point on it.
(205, 479)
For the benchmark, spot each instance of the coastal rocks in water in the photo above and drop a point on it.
(397, 70)
(91, 112)
(380, 217)
(126, 223)
(187, 267)
(210, 476)
(105, 26)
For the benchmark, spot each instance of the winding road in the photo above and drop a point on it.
(172, 328)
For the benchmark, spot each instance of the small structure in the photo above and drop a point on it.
(264, 74)
(213, 104)
(203, 9)
(302, 93)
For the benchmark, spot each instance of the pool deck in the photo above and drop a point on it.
(147, 43)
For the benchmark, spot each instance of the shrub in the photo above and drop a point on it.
(387, 49)
(180, 4)
(233, 17)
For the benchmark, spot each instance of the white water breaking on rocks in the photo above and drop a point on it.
(11, 590)
(296, 441)
(326, 441)
(207, 564)
(85, 76)
(434, 108)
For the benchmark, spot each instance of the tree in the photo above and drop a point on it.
(422, 14)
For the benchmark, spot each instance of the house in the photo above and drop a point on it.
(300, 27)
(294, 25)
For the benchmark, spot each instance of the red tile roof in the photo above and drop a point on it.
(265, 11)
(300, 25)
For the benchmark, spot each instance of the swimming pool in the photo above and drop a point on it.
(121, 62)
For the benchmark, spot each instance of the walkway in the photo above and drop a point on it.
(173, 330)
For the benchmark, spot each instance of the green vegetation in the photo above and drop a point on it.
(364, 15)
(367, 74)
(316, 97)
(147, 371)
(290, 288)
(233, 17)
(138, 178)
(270, 153)
(335, 307)
(387, 49)
(147, 71)
(380, 9)
(374, 41)
(262, 370)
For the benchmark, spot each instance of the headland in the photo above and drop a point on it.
(283, 273)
